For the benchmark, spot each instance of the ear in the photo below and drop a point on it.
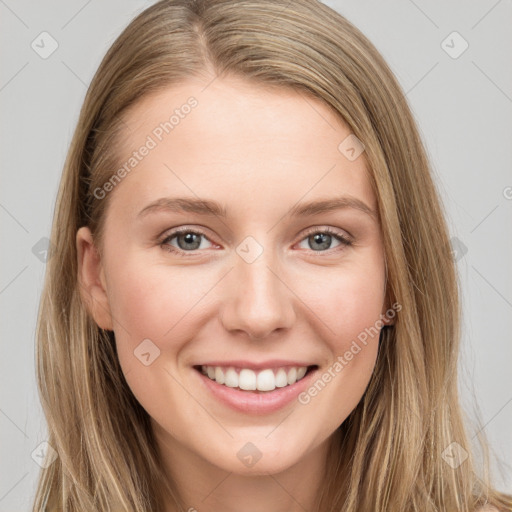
(91, 279)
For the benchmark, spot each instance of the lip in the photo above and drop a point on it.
(239, 363)
(253, 402)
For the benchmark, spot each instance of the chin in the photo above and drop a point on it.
(257, 458)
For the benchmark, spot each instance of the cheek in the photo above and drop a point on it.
(349, 304)
(145, 303)
(350, 307)
(152, 307)
(156, 302)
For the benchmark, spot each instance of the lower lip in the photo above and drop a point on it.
(264, 402)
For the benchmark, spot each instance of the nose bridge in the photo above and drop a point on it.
(259, 302)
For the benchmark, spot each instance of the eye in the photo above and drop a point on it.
(320, 239)
(187, 240)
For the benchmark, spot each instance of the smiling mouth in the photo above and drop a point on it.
(262, 381)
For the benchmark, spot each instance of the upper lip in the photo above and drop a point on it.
(273, 363)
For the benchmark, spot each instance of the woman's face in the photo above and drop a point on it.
(253, 282)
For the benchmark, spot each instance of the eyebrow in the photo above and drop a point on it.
(213, 208)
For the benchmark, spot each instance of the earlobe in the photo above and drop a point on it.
(91, 279)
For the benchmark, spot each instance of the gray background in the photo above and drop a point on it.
(463, 106)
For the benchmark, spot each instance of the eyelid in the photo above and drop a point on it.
(183, 229)
(330, 230)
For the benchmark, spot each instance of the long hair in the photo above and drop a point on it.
(388, 454)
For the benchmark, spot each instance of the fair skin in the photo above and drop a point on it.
(258, 153)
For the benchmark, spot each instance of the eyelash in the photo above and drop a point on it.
(345, 241)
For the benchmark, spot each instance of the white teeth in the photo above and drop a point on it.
(219, 375)
(266, 381)
(249, 380)
(231, 378)
(301, 372)
(281, 378)
(292, 375)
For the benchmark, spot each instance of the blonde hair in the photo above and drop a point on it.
(391, 445)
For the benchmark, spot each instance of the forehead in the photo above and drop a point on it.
(240, 143)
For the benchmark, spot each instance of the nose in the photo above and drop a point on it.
(259, 300)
